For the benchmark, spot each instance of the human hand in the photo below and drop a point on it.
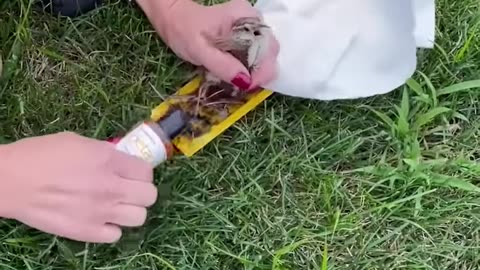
(74, 187)
(186, 27)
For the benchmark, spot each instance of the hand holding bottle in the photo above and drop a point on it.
(75, 187)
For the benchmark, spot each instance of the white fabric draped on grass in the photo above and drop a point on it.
(345, 49)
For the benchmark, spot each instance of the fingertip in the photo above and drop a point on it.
(110, 234)
(242, 81)
(137, 193)
(265, 74)
(151, 196)
(127, 215)
(113, 140)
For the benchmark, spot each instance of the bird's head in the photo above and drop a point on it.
(248, 30)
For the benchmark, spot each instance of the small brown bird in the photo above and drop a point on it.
(213, 101)
(247, 42)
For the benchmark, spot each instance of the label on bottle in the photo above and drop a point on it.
(143, 143)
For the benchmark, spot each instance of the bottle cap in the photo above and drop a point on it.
(174, 123)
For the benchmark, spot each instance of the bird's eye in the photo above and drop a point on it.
(256, 33)
(246, 29)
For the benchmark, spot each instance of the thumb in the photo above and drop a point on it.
(224, 66)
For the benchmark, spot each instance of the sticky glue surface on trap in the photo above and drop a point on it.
(188, 144)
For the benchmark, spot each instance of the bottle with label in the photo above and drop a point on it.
(152, 141)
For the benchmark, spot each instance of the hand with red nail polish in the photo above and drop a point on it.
(187, 27)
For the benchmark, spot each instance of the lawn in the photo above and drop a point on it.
(388, 182)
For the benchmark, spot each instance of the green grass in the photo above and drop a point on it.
(389, 182)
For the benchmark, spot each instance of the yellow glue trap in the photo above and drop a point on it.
(149, 141)
(189, 145)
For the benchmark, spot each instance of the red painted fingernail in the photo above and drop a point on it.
(242, 81)
(114, 140)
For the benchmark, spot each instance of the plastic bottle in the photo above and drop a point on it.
(152, 141)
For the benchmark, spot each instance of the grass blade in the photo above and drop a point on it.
(429, 116)
(277, 258)
(459, 87)
(325, 258)
(453, 182)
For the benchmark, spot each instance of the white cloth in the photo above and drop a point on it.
(345, 49)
